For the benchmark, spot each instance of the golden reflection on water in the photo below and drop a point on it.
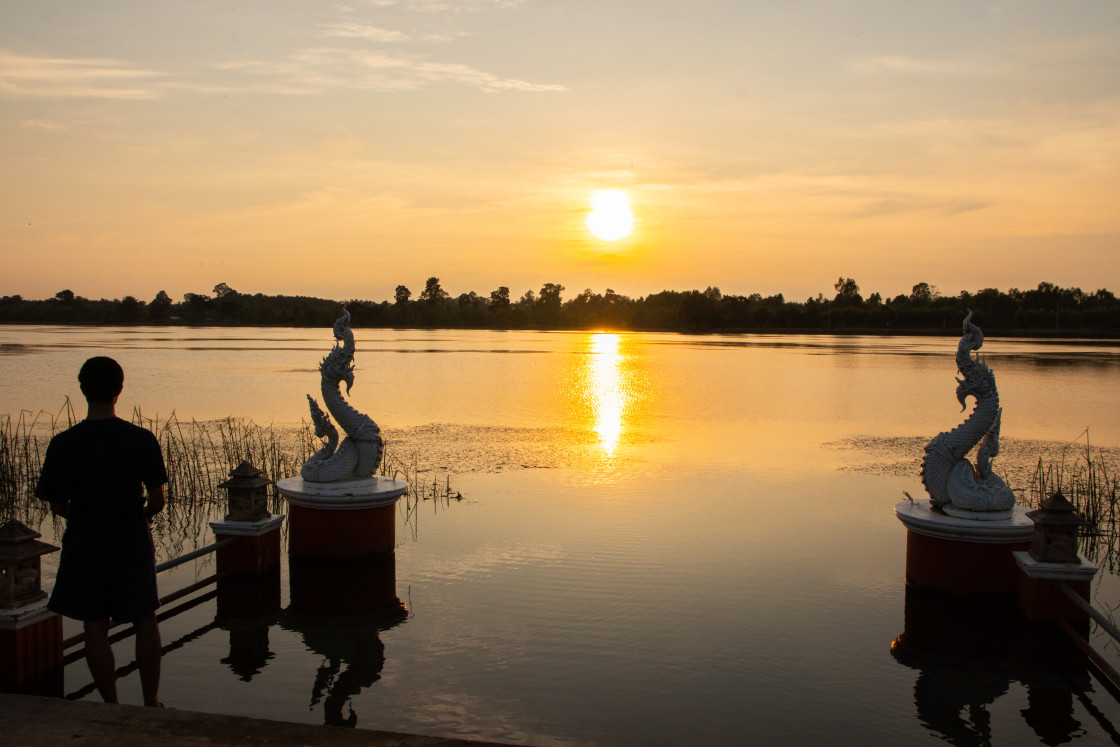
(606, 388)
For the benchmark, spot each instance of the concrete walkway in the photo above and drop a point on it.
(32, 720)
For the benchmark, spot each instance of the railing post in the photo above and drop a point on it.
(249, 567)
(1053, 559)
(30, 634)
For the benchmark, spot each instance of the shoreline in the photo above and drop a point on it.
(1090, 335)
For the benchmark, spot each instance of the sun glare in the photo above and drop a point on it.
(610, 218)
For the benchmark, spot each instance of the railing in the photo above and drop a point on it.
(167, 599)
(1111, 678)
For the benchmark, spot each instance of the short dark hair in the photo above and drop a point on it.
(101, 379)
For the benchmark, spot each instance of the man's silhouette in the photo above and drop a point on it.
(94, 474)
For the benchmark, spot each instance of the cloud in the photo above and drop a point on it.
(895, 64)
(319, 69)
(23, 76)
(447, 6)
(42, 124)
(357, 30)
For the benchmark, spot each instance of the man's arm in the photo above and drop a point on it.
(156, 501)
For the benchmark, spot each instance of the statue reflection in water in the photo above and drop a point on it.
(968, 653)
(340, 609)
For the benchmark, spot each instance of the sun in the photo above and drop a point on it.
(610, 218)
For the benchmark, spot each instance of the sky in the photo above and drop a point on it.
(341, 149)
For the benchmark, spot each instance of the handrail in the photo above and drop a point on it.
(168, 564)
(173, 596)
(1090, 610)
(74, 640)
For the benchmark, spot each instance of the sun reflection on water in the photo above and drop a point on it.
(605, 386)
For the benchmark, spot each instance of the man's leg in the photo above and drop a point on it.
(99, 658)
(149, 651)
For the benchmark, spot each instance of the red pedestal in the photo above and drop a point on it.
(960, 567)
(248, 555)
(333, 534)
(1041, 597)
(31, 654)
(963, 556)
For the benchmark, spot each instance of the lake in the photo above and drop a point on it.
(662, 538)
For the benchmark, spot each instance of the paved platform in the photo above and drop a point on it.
(31, 720)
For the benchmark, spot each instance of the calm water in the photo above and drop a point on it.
(664, 539)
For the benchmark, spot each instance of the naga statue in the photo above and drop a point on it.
(359, 454)
(954, 485)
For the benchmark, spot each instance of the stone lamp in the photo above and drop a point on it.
(248, 494)
(1056, 524)
(20, 566)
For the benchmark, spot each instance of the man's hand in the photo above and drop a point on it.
(156, 501)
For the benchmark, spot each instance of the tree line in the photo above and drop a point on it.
(1047, 309)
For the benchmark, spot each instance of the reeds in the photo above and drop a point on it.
(199, 456)
(23, 444)
(1088, 480)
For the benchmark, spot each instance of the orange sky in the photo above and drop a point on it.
(341, 149)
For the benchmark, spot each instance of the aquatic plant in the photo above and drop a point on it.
(199, 456)
(1091, 482)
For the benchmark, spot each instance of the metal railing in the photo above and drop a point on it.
(167, 599)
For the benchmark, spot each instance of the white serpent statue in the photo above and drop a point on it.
(950, 480)
(359, 454)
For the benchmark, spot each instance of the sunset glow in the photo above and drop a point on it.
(339, 150)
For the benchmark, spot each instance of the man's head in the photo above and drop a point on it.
(101, 379)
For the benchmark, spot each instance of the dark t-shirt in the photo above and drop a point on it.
(99, 468)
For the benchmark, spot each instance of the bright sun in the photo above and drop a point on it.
(610, 218)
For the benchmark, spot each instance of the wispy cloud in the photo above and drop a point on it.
(447, 6)
(358, 30)
(25, 76)
(42, 124)
(319, 69)
(914, 65)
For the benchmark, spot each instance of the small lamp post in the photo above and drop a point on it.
(20, 566)
(248, 494)
(1056, 524)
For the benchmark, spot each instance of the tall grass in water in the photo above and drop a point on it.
(23, 443)
(199, 457)
(1088, 480)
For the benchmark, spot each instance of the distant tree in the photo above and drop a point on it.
(160, 307)
(401, 295)
(433, 292)
(499, 299)
(529, 299)
(712, 293)
(550, 295)
(924, 293)
(847, 292)
(66, 296)
(221, 290)
(130, 309)
(875, 299)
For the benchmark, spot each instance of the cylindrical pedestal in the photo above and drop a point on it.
(959, 556)
(31, 651)
(342, 520)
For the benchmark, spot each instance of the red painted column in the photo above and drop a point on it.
(31, 652)
(963, 556)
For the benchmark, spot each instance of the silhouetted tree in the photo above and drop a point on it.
(401, 295)
(499, 299)
(433, 292)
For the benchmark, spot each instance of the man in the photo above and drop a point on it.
(94, 475)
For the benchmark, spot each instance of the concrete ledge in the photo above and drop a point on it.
(30, 720)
